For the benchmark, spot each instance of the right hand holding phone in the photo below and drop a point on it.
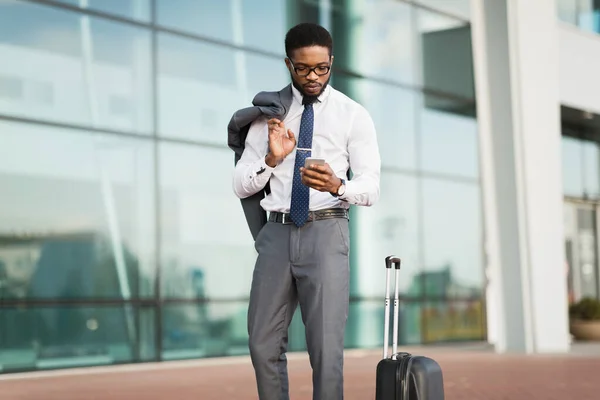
(281, 142)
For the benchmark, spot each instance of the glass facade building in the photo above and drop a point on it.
(120, 237)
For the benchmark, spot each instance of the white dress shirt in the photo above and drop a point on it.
(343, 134)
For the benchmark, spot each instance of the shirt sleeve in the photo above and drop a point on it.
(365, 161)
(252, 173)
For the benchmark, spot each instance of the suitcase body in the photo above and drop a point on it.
(404, 376)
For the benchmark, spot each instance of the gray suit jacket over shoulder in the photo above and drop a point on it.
(270, 105)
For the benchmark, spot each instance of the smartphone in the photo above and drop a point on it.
(311, 160)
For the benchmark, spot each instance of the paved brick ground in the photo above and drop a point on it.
(469, 375)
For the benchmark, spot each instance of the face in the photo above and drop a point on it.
(300, 63)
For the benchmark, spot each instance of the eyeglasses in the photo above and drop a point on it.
(320, 70)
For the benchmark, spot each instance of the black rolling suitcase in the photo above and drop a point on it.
(404, 376)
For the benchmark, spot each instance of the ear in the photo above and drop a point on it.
(288, 63)
(331, 60)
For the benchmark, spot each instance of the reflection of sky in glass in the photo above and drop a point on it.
(135, 9)
(580, 168)
(56, 181)
(243, 22)
(42, 52)
(453, 230)
(460, 8)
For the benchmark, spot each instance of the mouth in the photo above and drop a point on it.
(312, 87)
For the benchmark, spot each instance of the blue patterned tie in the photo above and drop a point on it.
(300, 192)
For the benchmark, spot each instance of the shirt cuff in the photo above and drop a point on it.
(260, 170)
(350, 195)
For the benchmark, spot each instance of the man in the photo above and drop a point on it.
(303, 249)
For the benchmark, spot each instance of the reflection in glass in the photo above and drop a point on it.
(449, 143)
(393, 112)
(374, 38)
(240, 22)
(389, 227)
(445, 54)
(201, 85)
(79, 70)
(134, 9)
(453, 239)
(591, 167)
(456, 320)
(70, 336)
(459, 8)
(206, 245)
(572, 168)
(365, 325)
(567, 10)
(204, 330)
(77, 214)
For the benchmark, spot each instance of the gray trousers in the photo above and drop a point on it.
(308, 266)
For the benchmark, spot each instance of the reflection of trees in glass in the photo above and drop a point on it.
(77, 265)
(453, 321)
(441, 283)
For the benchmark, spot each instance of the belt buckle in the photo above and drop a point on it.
(283, 219)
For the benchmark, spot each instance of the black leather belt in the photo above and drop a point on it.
(284, 218)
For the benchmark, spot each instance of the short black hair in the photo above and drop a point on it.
(307, 34)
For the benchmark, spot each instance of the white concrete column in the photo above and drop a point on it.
(515, 50)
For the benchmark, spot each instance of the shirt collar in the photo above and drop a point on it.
(298, 96)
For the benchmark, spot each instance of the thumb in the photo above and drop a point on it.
(291, 135)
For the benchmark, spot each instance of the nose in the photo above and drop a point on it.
(312, 75)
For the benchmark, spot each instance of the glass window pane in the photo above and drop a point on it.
(459, 8)
(567, 11)
(205, 239)
(77, 215)
(201, 85)
(241, 22)
(591, 166)
(204, 330)
(374, 38)
(449, 143)
(572, 168)
(366, 323)
(453, 239)
(445, 54)
(390, 227)
(134, 9)
(457, 320)
(70, 68)
(72, 336)
(393, 112)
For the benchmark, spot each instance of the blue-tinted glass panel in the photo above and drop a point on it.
(71, 336)
(567, 10)
(241, 22)
(207, 248)
(201, 85)
(134, 9)
(572, 167)
(393, 112)
(444, 54)
(65, 67)
(452, 225)
(77, 215)
(449, 143)
(591, 169)
(204, 330)
(392, 226)
(459, 8)
(374, 38)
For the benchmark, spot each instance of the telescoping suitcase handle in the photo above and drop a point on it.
(391, 261)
